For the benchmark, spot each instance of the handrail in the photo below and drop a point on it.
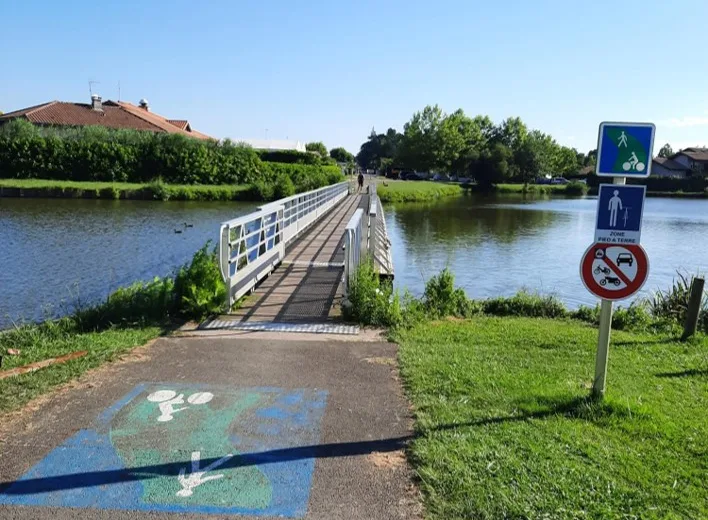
(353, 238)
(251, 246)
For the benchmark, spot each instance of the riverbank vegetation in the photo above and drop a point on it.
(505, 425)
(415, 191)
(169, 161)
(127, 318)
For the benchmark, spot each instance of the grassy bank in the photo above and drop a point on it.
(39, 188)
(574, 188)
(127, 318)
(415, 191)
(505, 430)
(56, 338)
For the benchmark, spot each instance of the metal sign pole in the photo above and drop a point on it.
(603, 341)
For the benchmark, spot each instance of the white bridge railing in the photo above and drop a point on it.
(250, 247)
(366, 235)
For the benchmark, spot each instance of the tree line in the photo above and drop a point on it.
(433, 141)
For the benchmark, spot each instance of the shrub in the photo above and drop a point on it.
(138, 304)
(525, 304)
(199, 289)
(442, 299)
(370, 300)
(671, 304)
(284, 187)
(576, 188)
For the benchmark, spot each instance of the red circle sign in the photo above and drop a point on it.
(614, 272)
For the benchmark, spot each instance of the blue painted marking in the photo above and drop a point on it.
(277, 437)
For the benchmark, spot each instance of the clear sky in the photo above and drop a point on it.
(331, 70)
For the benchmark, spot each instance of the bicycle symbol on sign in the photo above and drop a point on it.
(633, 163)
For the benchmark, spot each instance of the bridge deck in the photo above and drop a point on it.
(306, 288)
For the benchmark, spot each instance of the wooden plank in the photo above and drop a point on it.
(32, 367)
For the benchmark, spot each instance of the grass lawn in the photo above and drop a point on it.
(38, 342)
(413, 191)
(121, 190)
(505, 430)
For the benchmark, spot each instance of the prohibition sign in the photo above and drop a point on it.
(614, 272)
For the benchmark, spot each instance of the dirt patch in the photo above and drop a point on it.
(389, 361)
(390, 460)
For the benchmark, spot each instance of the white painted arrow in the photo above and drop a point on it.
(196, 477)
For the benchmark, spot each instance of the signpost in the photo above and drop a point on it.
(616, 266)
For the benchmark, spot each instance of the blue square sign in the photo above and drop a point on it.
(625, 149)
(619, 214)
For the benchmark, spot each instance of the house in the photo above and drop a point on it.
(274, 144)
(685, 163)
(110, 114)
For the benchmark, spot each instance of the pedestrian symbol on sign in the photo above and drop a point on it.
(615, 204)
(622, 140)
(619, 214)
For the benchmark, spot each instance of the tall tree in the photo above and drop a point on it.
(341, 155)
(318, 147)
(421, 145)
(666, 151)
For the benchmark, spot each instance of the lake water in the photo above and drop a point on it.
(57, 252)
(497, 245)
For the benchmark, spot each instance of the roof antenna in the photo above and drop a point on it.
(91, 84)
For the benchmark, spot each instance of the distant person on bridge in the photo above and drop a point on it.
(360, 180)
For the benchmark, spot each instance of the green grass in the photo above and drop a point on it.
(121, 190)
(415, 191)
(505, 429)
(38, 342)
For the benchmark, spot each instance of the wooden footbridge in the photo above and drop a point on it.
(287, 266)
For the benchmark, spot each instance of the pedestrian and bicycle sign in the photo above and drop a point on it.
(619, 214)
(625, 149)
(614, 272)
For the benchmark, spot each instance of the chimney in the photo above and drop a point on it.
(96, 103)
(144, 105)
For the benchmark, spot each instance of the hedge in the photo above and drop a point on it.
(102, 155)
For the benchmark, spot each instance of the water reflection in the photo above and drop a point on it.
(498, 245)
(58, 250)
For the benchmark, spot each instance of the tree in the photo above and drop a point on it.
(492, 166)
(421, 146)
(318, 147)
(341, 155)
(666, 151)
(379, 147)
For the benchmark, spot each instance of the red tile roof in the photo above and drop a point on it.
(117, 115)
(182, 124)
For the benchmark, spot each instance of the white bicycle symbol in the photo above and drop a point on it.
(633, 164)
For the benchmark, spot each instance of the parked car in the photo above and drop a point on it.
(441, 177)
(559, 180)
(465, 180)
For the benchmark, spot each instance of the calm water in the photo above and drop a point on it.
(498, 245)
(57, 252)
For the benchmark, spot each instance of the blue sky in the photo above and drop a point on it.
(329, 70)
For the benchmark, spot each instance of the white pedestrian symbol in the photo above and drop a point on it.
(196, 477)
(622, 140)
(167, 400)
(615, 204)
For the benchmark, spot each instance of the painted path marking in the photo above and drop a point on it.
(222, 450)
